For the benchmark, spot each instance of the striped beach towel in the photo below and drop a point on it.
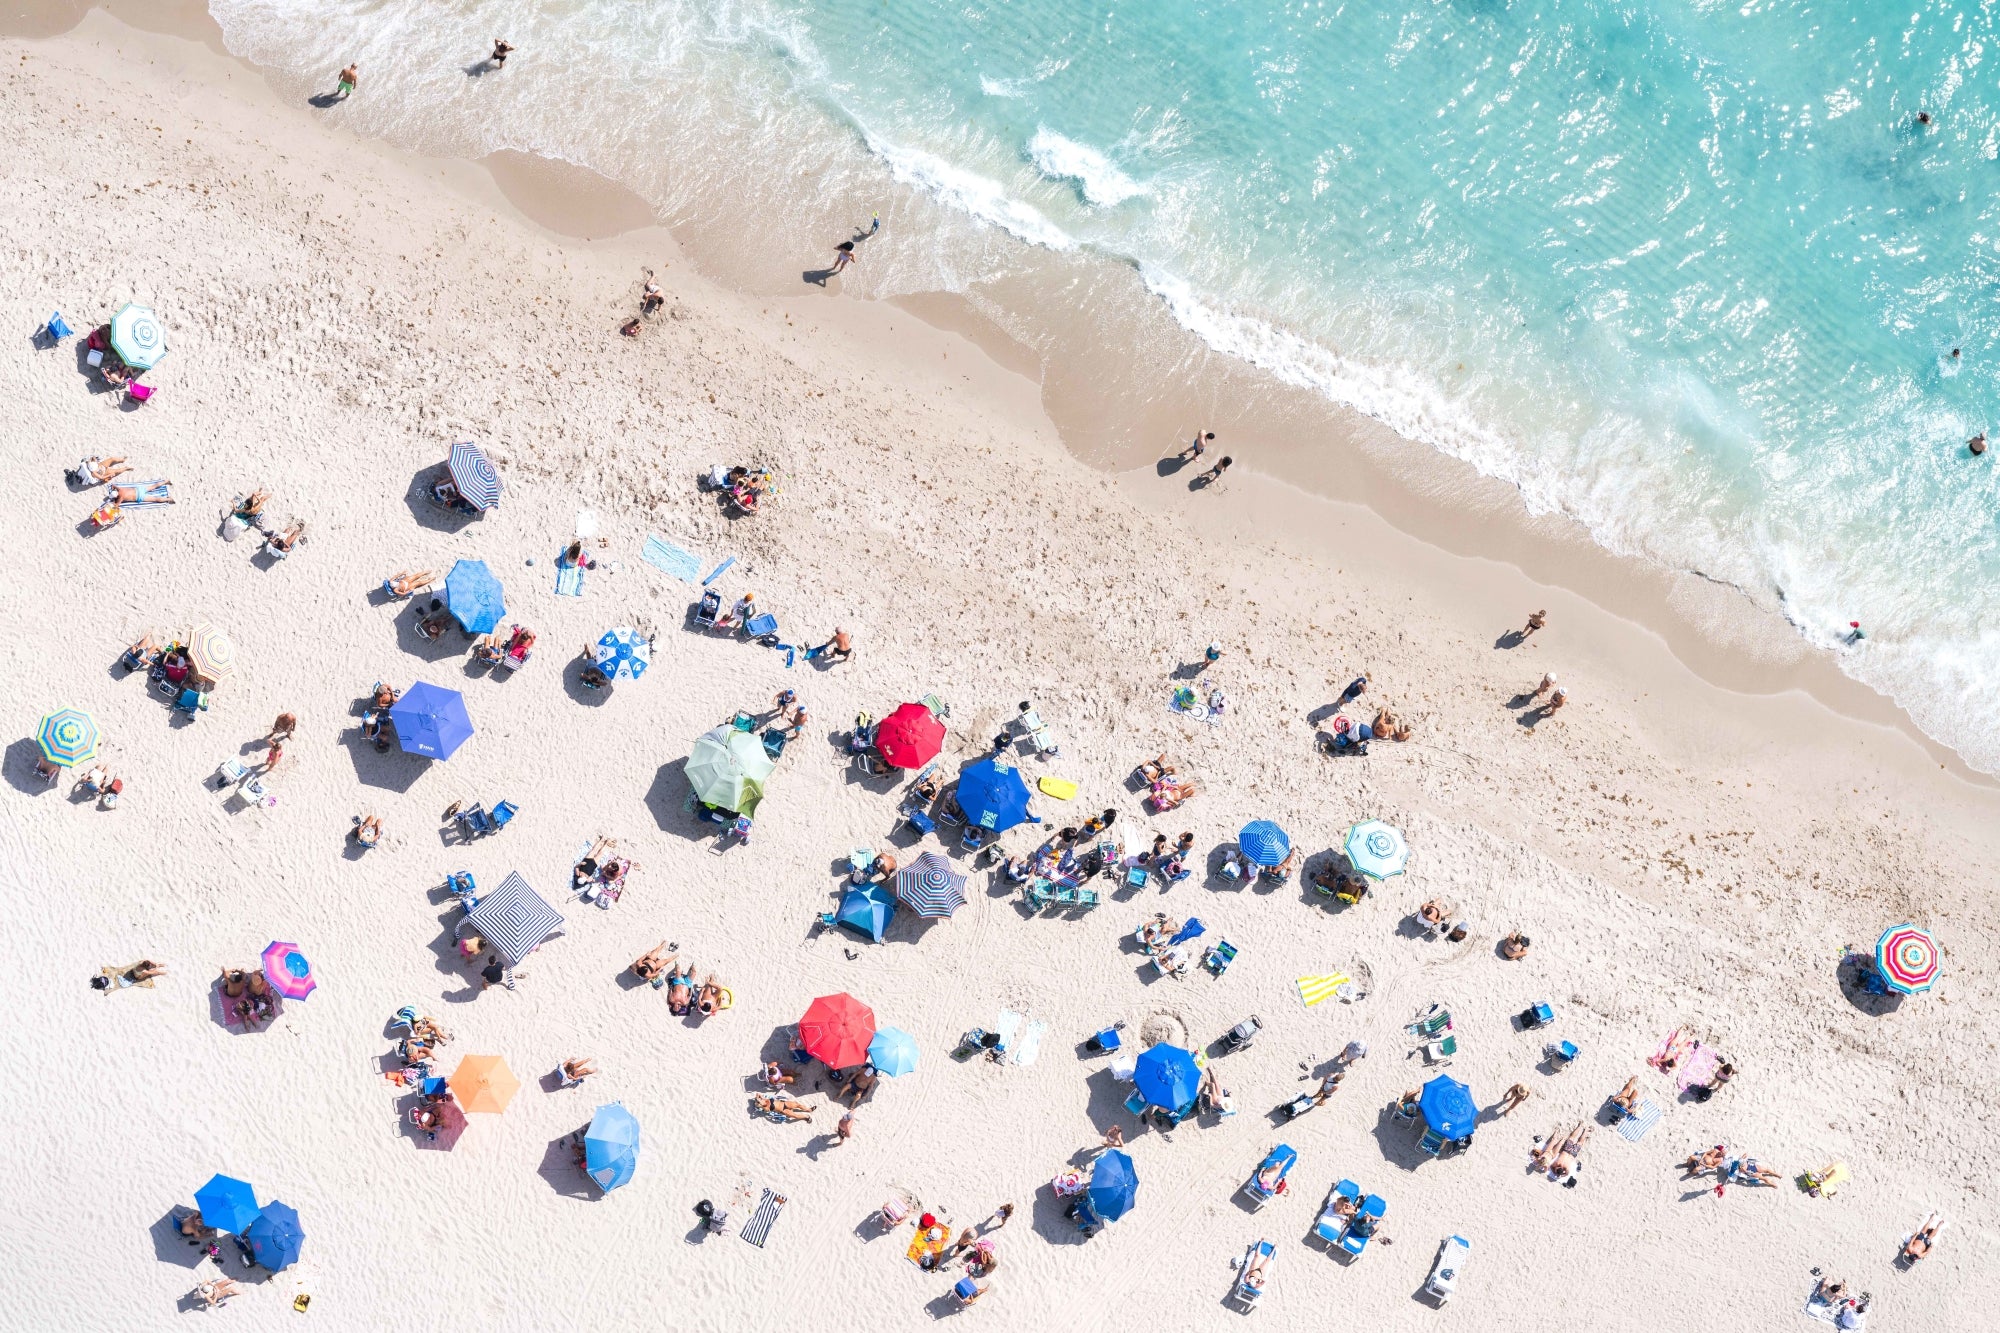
(1312, 990)
(1030, 1044)
(569, 579)
(664, 555)
(758, 1229)
(1633, 1127)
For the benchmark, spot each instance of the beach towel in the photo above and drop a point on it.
(718, 571)
(1060, 788)
(1826, 1311)
(1699, 1066)
(1008, 1024)
(1312, 990)
(671, 559)
(1185, 703)
(1633, 1127)
(1030, 1045)
(758, 1229)
(569, 578)
(1675, 1047)
(923, 1247)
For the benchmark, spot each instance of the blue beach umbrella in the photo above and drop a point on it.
(1167, 1077)
(1264, 842)
(623, 652)
(431, 720)
(1447, 1107)
(866, 909)
(993, 796)
(473, 597)
(1114, 1186)
(137, 337)
(226, 1203)
(472, 473)
(611, 1146)
(893, 1051)
(1376, 850)
(275, 1237)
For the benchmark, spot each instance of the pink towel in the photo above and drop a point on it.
(1699, 1067)
(1675, 1047)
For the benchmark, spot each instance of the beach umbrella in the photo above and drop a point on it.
(431, 721)
(866, 910)
(288, 971)
(1114, 1186)
(1907, 959)
(473, 597)
(1264, 842)
(226, 1203)
(893, 1052)
(472, 473)
(836, 1030)
(727, 769)
(611, 1146)
(1376, 850)
(910, 737)
(622, 652)
(1447, 1107)
(483, 1083)
(513, 918)
(993, 796)
(1166, 1076)
(68, 737)
(210, 653)
(137, 337)
(930, 886)
(275, 1237)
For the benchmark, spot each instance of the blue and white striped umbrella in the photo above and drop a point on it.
(1264, 842)
(930, 886)
(137, 337)
(621, 652)
(472, 472)
(1376, 850)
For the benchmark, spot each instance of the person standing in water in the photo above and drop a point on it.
(501, 50)
(1977, 444)
(843, 255)
(875, 224)
(348, 78)
(1198, 446)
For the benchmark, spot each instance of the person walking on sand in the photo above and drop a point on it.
(1548, 683)
(348, 78)
(1197, 446)
(1214, 474)
(843, 255)
(844, 1131)
(282, 729)
(1512, 1098)
(501, 50)
(1536, 620)
(1556, 700)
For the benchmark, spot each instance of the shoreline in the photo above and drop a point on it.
(1304, 444)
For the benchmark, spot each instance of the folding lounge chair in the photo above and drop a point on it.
(1283, 1157)
(1219, 956)
(1560, 1053)
(1332, 1224)
(1432, 1142)
(1246, 1293)
(1429, 1023)
(1039, 893)
(1440, 1052)
(230, 773)
(1136, 877)
(1088, 898)
(473, 821)
(1354, 1242)
(56, 330)
(503, 812)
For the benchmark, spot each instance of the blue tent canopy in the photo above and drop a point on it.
(611, 1146)
(431, 720)
(993, 796)
(1167, 1077)
(1114, 1186)
(473, 597)
(866, 910)
(226, 1203)
(1447, 1107)
(275, 1237)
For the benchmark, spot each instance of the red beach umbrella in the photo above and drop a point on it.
(836, 1030)
(909, 737)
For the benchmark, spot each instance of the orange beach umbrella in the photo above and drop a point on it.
(483, 1083)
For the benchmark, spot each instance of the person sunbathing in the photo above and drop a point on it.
(413, 1050)
(283, 542)
(145, 970)
(1253, 1272)
(250, 508)
(1271, 1178)
(234, 983)
(1626, 1099)
(1433, 914)
(101, 470)
(710, 1000)
(680, 989)
(385, 695)
(1919, 1245)
(192, 1225)
(152, 493)
(1706, 1161)
(406, 582)
(1156, 933)
(432, 626)
(650, 966)
(1565, 1163)
(860, 1085)
(217, 1290)
(1344, 1206)
(576, 1071)
(789, 1108)
(1167, 796)
(1283, 870)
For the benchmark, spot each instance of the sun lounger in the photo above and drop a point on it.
(503, 812)
(1088, 898)
(1429, 1023)
(1284, 1156)
(1330, 1223)
(1431, 1143)
(1443, 1280)
(1219, 956)
(1247, 1293)
(1039, 893)
(1355, 1237)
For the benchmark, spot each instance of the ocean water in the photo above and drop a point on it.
(1688, 271)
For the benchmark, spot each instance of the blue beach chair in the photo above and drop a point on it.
(1354, 1238)
(1331, 1224)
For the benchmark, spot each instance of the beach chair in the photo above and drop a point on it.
(1331, 1224)
(1104, 1041)
(761, 627)
(1560, 1053)
(56, 329)
(1064, 893)
(976, 839)
(1088, 898)
(473, 821)
(1284, 1156)
(949, 813)
(1443, 1280)
(1537, 1015)
(939, 708)
(1432, 1143)
(1437, 1053)
(190, 701)
(1039, 893)
(1219, 956)
(1136, 877)
(1247, 1292)
(708, 609)
(1429, 1023)
(1137, 1103)
(774, 742)
(503, 813)
(918, 820)
(230, 773)
(1355, 1236)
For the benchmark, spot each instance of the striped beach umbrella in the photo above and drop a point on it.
(1376, 850)
(288, 971)
(483, 1083)
(210, 652)
(1264, 842)
(137, 337)
(930, 887)
(1907, 958)
(622, 652)
(473, 474)
(514, 919)
(68, 737)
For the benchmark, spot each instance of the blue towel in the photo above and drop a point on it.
(718, 571)
(664, 555)
(1191, 930)
(569, 579)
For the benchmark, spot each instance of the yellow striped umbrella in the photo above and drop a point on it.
(1314, 989)
(210, 652)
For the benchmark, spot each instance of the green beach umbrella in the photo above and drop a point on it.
(1376, 850)
(727, 769)
(68, 737)
(138, 337)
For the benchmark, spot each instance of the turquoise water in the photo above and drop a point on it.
(1689, 272)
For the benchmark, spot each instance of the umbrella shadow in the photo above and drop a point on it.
(562, 1169)
(579, 692)
(450, 963)
(428, 512)
(452, 642)
(1398, 1141)
(393, 769)
(171, 1247)
(1107, 1101)
(1052, 1221)
(1851, 974)
(21, 758)
(670, 800)
(451, 1125)
(219, 1011)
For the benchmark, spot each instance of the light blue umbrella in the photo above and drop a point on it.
(893, 1052)
(226, 1203)
(1376, 850)
(473, 597)
(622, 652)
(137, 337)
(611, 1146)
(1264, 842)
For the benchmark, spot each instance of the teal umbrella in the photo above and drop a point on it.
(1376, 850)
(893, 1051)
(137, 337)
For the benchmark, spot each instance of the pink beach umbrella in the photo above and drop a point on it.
(287, 970)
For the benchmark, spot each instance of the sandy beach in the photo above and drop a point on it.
(1690, 843)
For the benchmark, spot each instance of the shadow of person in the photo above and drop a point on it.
(817, 276)
(324, 100)
(1513, 638)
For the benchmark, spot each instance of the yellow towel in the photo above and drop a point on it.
(1314, 989)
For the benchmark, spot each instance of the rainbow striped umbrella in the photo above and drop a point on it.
(211, 653)
(68, 737)
(1907, 958)
(288, 971)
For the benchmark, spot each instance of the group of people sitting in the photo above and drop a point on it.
(1165, 788)
(746, 487)
(661, 968)
(1069, 853)
(510, 651)
(1438, 919)
(599, 874)
(1342, 884)
(247, 996)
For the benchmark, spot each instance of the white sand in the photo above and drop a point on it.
(340, 314)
